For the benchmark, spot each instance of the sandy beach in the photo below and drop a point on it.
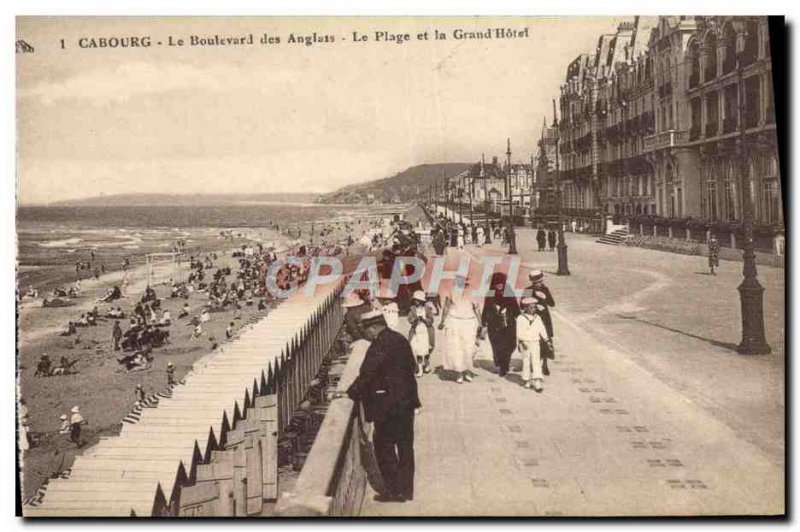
(102, 387)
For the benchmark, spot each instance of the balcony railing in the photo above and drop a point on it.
(711, 129)
(729, 124)
(665, 139)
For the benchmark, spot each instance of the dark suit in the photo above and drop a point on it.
(499, 317)
(388, 390)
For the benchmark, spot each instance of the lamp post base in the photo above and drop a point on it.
(751, 295)
(563, 267)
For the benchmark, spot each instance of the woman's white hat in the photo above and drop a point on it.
(419, 295)
(75, 410)
(352, 300)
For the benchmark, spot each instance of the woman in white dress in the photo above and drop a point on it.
(460, 321)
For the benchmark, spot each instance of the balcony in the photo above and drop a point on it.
(694, 133)
(711, 129)
(665, 139)
(729, 124)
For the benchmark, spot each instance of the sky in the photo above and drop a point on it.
(277, 117)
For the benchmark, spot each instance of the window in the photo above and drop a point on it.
(694, 74)
(712, 114)
(729, 50)
(696, 107)
(729, 103)
(771, 201)
(711, 214)
(710, 71)
(752, 101)
(750, 52)
(671, 192)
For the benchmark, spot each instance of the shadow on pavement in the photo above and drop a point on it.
(725, 345)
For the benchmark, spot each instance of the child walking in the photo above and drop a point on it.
(531, 329)
(421, 321)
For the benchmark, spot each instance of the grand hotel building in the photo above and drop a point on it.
(666, 121)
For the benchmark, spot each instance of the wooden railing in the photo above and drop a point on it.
(300, 361)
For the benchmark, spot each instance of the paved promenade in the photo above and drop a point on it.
(608, 436)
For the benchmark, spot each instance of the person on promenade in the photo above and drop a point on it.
(385, 302)
(388, 391)
(421, 319)
(530, 333)
(541, 294)
(76, 421)
(460, 237)
(480, 236)
(433, 307)
(460, 319)
(551, 239)
(499, 319)
(438, 242)
(64, 427)
(139, 394)
(354, 307)
(713, 255)
(541, 238)
(116, 335)
(170, 374)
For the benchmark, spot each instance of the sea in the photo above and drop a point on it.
(51, 239)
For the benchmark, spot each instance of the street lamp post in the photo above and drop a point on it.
(561, 247)
(751, 293)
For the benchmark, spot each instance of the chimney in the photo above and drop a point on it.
(494, 160)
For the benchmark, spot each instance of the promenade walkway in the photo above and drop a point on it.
(606, 437)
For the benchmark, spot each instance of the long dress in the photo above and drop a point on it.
(419, 331)
(500, 318)
(461, 328)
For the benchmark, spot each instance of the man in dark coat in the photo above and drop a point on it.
(544, 300)
(438, 242)
(387, 388)
(541, 238)
(499, 317)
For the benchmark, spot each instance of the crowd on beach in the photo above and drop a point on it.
(139, 324)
